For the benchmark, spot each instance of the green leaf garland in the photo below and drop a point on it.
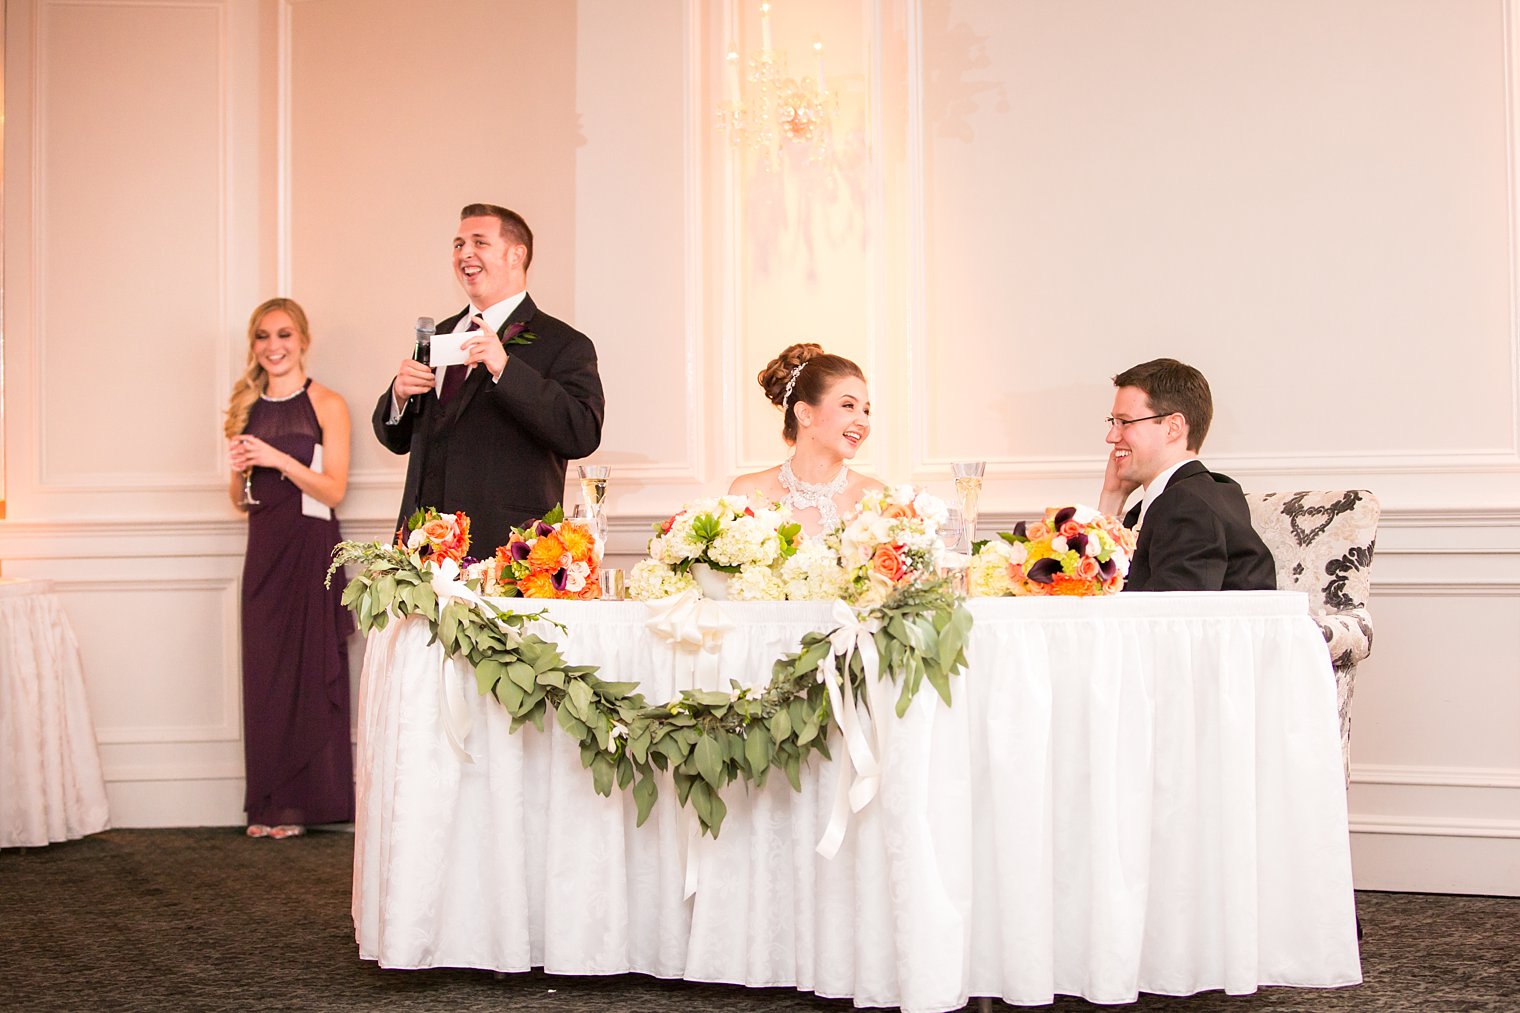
(703, 740)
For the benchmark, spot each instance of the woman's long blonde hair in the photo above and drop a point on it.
(254, 381)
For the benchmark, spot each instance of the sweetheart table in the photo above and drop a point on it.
(1136, 793)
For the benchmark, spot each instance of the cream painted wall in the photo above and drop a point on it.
(1313, 204)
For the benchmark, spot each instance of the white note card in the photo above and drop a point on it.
(310, 505)
(448, 349)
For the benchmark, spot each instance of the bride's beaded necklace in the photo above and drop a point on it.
(820, 495)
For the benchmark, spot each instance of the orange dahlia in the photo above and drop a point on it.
(578, 540)
(546, 553)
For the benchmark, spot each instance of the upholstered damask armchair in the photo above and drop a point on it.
(1322, 543)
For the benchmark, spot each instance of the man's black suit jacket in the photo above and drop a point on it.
(497, 451)
(1197, 536)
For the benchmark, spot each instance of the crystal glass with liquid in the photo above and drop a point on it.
(593, 493)
(968, 493)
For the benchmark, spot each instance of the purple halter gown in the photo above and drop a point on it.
(295, 658)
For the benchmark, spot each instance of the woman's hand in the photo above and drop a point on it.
(247, 452)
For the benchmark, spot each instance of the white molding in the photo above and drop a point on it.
(1395, 588)
(694, 303)
(230, 728)
(1435, 826)
(130, 773)
(45, 481)
(1511, 48)
(916, 293)
(284, 42)
(1435, 777)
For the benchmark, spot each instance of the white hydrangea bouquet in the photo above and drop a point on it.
(747, 544)
(891, 540)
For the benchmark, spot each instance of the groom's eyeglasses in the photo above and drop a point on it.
(1123, 423)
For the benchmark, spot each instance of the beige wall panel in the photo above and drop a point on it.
(804, 228)
(1309, 202)
(1422, 699)
(172, 686)
(633, 243)
(129, 241)
(400, 113)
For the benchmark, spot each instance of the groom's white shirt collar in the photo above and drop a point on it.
(496, 314)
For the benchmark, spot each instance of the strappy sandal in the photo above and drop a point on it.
(287, 830)
(258, 830)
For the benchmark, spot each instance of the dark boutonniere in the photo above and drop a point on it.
(518, 334)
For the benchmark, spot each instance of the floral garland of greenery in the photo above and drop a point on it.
(704, 740)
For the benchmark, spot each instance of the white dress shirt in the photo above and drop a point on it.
(495, 315)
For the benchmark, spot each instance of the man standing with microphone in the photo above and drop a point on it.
(492, 436)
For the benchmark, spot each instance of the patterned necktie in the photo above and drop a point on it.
(453, 377)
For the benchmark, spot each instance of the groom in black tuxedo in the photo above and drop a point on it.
(492, 437)
(1195, 528)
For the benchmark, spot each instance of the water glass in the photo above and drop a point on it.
(613, 584)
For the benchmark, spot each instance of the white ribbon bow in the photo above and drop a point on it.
(695, 626)
(852, 794)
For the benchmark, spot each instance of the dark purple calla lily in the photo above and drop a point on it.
(1044, 571)
(1063, 515)
(1021, 530)
(519, 550)
(1077, 543)
(467, 562)
(560, 579)
(541, 529)
(1108, 568)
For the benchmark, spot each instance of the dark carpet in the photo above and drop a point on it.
(207, 919)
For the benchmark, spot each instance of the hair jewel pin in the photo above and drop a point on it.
(786, 397)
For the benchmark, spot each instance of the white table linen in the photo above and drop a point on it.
(1139, 793)
(51, 788)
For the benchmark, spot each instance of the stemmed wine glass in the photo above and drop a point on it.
(953, 562)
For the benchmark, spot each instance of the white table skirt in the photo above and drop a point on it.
(51, 787)
(1140, 793)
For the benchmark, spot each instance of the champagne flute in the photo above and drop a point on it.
(593, 492)
(248, 499)
(968, 490)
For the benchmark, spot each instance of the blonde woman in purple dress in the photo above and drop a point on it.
(288, 453)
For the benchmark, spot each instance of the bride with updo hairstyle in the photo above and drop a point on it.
(825, 417)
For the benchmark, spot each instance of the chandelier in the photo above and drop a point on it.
(765, 109)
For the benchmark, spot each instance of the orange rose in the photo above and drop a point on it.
(890, 563)
(1036, 530)
(1087, 568)
(893, 511)
(438, 532)
(1070, 529)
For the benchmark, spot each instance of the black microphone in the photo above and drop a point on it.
(425, 331)
(422, 348)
